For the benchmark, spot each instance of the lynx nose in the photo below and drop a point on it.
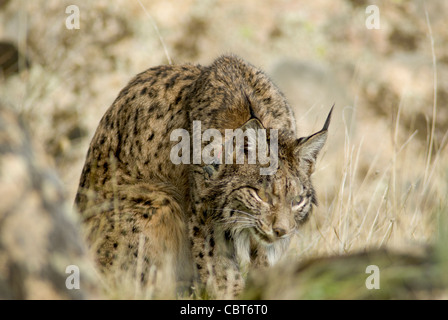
(279, 232)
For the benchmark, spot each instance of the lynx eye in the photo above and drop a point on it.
(297, 202)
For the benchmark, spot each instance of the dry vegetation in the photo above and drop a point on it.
(382, 179)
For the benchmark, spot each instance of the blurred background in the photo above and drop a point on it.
(382, 180)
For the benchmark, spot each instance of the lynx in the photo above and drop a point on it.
(210, 222)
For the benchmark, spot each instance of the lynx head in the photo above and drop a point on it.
(269, 207)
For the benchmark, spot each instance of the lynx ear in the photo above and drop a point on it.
(252, 123)
(249, 145)
(309, 147)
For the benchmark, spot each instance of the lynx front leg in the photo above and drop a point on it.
(267, 256)
(144, 231)
(216, 266)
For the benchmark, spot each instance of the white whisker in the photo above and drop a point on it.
(239, 211)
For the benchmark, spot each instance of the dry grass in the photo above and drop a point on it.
(382, 179)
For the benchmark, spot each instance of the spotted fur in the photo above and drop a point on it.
(218, 219)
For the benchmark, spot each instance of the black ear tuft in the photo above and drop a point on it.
(327, 122)
(309, 147)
